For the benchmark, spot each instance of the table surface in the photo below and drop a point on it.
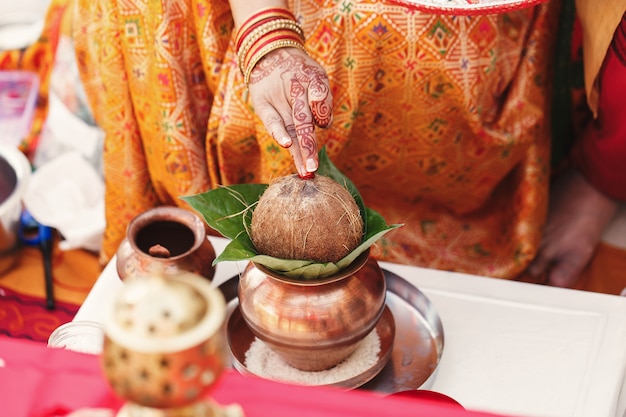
(510, 348)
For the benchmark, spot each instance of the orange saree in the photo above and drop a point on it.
(441, 121)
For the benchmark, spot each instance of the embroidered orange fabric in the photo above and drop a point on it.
(441, 121)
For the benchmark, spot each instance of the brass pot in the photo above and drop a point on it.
(163, 344)
(313, 324)
(166, 240)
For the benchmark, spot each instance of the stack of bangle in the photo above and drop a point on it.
(263, 32)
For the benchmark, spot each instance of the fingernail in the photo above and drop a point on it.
(285, 141)
(311, 165)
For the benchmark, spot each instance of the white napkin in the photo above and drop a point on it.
(67, 193)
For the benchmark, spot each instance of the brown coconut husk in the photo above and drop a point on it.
(306, 219)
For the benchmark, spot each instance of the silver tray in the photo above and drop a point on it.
(414, 354)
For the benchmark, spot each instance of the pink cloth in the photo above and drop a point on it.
(37, 381)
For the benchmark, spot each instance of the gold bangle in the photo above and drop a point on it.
(263, 30)
(286, 43)
(269, 13)
(268, 27)
(263, 41)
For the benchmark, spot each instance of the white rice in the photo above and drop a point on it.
(262, 361)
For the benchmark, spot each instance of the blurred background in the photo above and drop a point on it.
(51, 185)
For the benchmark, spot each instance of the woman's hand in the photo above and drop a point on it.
(291, 95)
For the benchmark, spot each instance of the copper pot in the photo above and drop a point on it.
(166, 240)
(313, 324)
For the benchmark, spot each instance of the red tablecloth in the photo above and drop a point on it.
(37, 381)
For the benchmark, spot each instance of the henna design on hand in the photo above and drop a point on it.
(306, 133)
(306, 85)
(320, 98)
(291, 131)
(304, 126)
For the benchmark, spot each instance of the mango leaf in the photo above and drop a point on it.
(228, 210)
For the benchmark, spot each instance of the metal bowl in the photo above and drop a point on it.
(14, 176)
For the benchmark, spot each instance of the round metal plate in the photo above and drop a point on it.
(413, 353)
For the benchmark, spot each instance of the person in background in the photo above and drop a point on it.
(442, 121)
(585, 197)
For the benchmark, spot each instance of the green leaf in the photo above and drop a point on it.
(228, 210)
(238, 249)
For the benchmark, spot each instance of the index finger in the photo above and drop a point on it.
(321, 99)
(305, 129)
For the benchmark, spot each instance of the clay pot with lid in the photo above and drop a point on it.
(313, 324)
(166, 240)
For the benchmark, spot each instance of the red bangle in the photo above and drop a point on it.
(267, 40)
(261, 32)
(260, 17)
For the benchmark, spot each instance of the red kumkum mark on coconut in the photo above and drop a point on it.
(307, 176)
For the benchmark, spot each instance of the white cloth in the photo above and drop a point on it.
(67, 194)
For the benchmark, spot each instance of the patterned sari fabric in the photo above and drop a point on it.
(441, 121)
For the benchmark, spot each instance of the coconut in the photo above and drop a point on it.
(306, 219)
